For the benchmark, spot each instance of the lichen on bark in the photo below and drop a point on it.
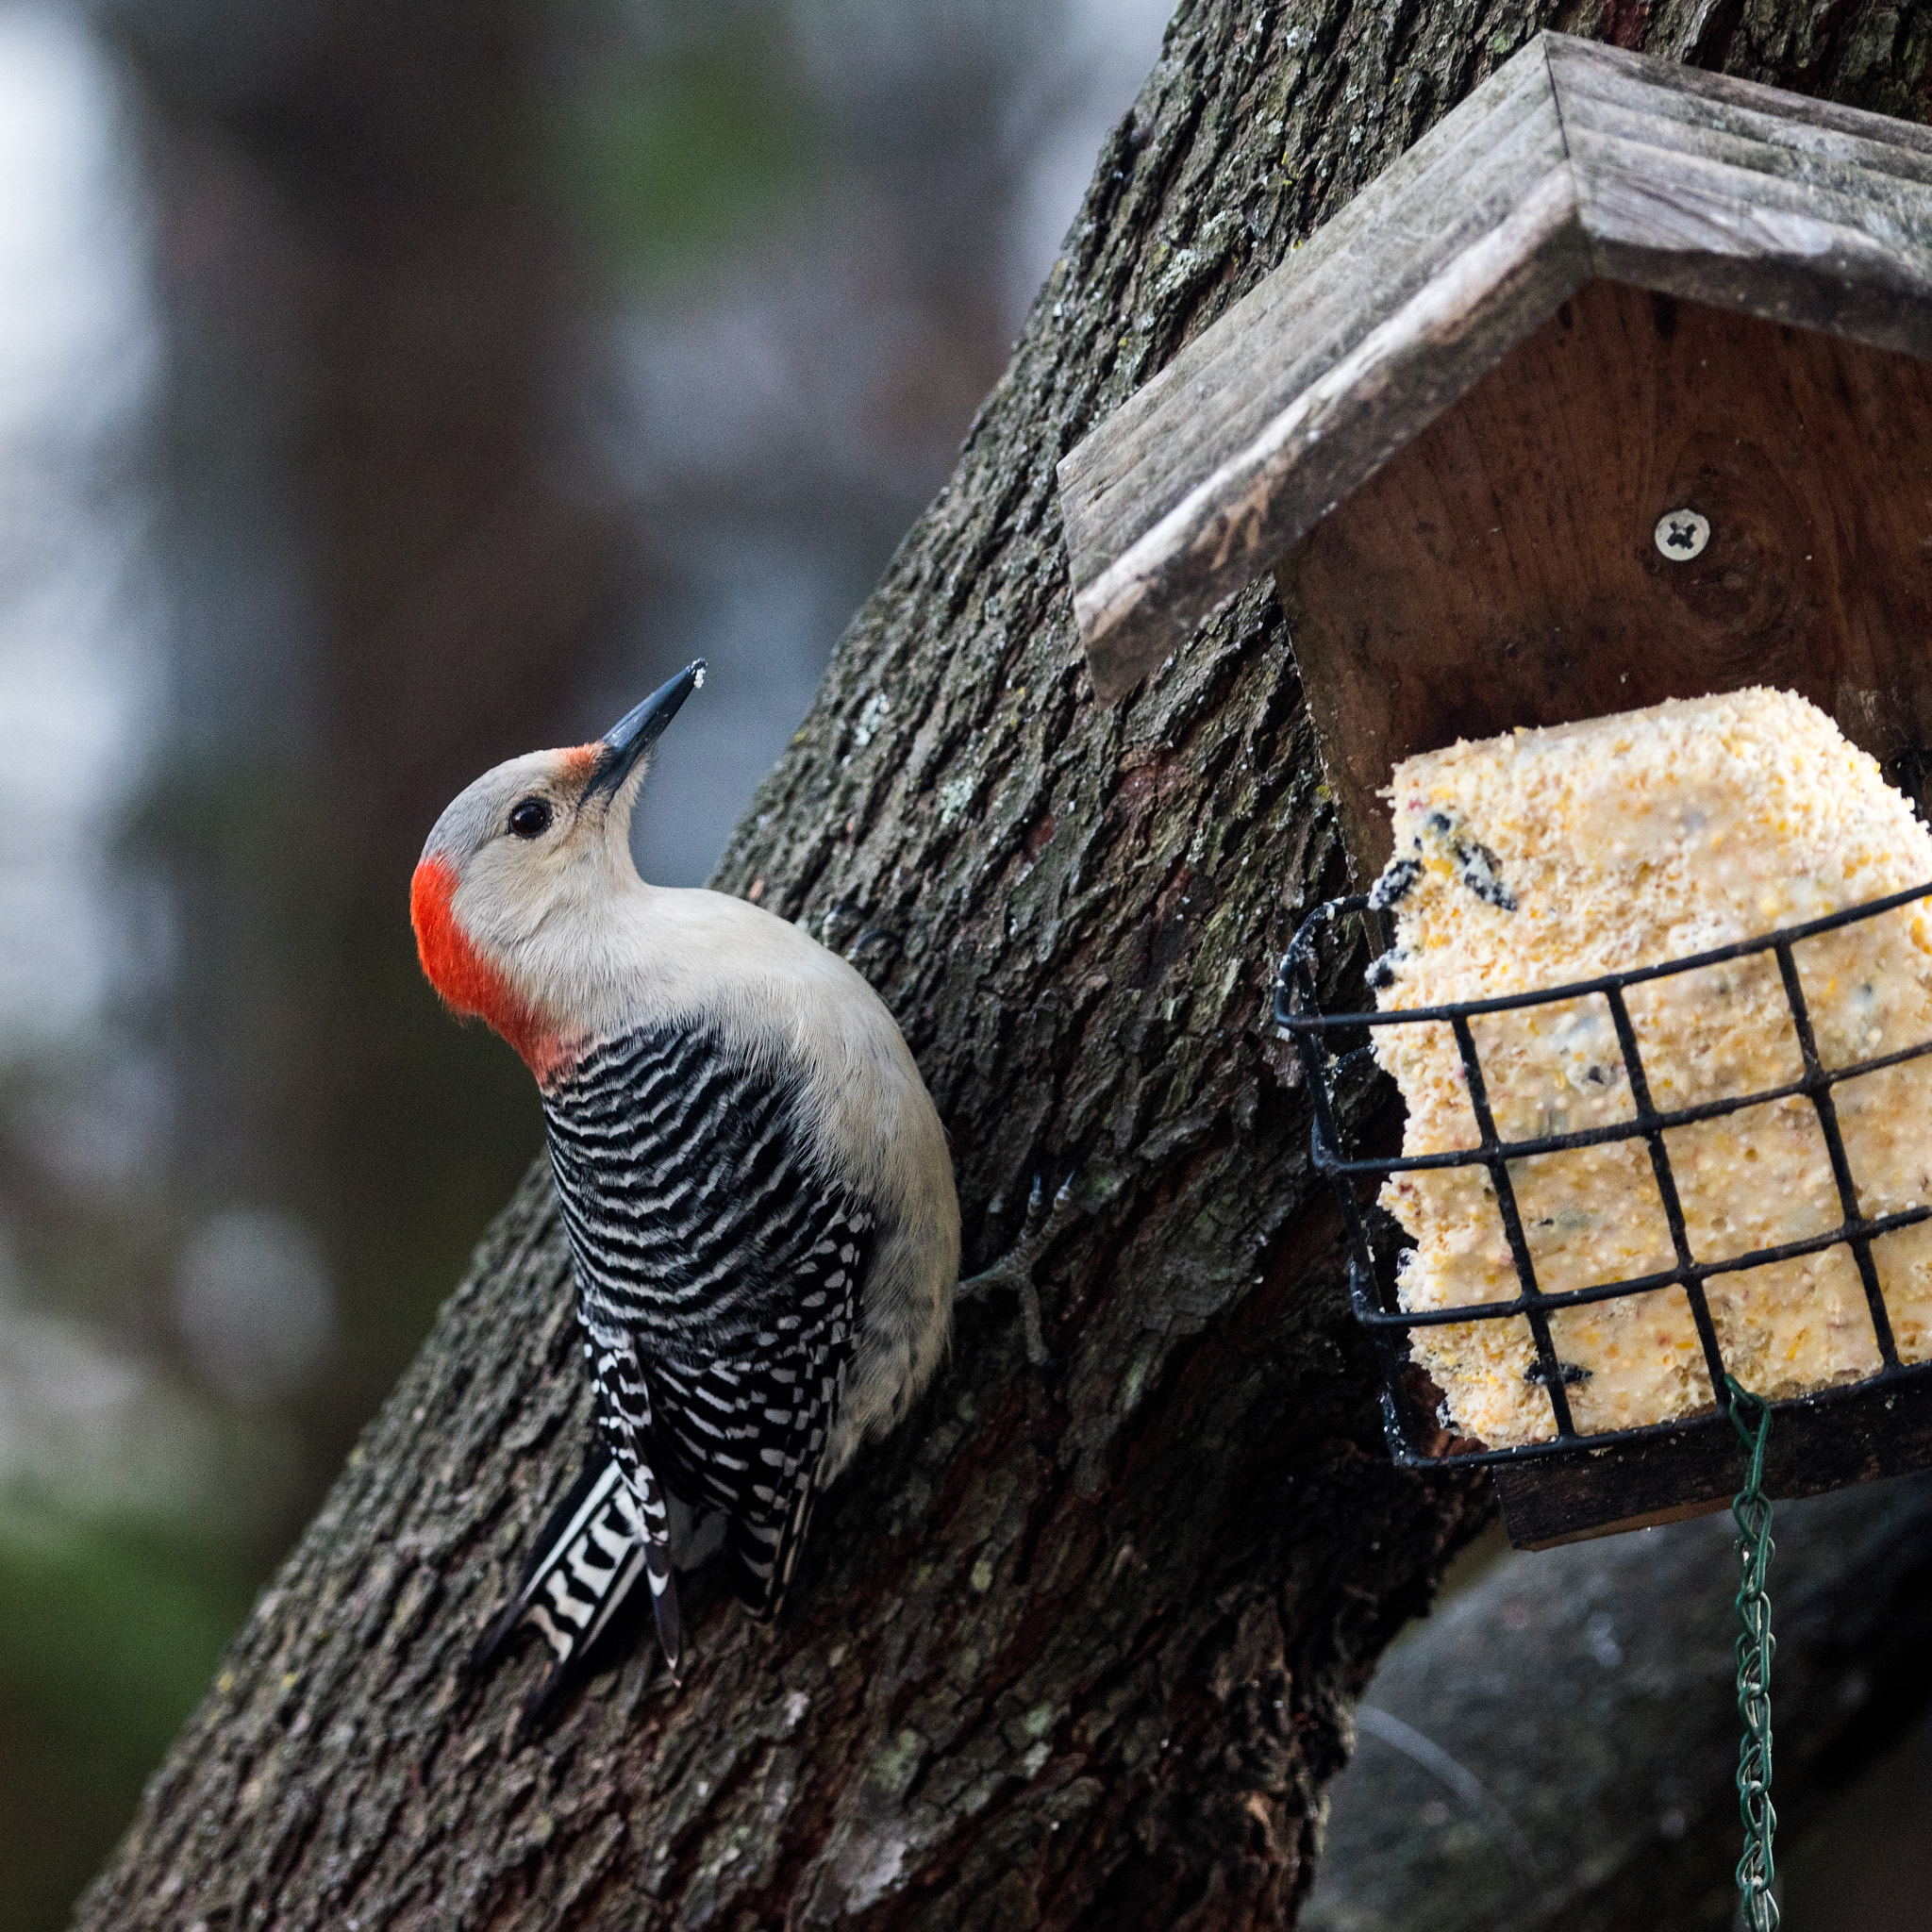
(1076, 1646)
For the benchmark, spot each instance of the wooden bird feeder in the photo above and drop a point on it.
(1614, 388)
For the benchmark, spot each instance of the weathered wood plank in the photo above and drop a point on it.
(1800, 271)
(1576, 159)
(1586, 69)
(1734, 193)
(1342, 428)
(1222, 389)
(1425, 279)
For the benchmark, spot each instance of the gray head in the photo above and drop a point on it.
(536, 838)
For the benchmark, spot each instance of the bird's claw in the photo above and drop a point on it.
(1043, 1225)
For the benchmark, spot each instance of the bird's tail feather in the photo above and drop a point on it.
(588, 1557)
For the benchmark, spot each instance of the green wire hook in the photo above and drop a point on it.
(1751, 1417)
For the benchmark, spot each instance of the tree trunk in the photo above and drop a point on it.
(1077, 1645)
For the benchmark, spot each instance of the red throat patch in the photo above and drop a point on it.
(467, 981)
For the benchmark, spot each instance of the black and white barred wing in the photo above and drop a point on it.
(748, 1435)
(707, 1238)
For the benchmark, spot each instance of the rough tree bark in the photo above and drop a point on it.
(1077, 1647)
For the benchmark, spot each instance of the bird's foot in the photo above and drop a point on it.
(1045, 1223)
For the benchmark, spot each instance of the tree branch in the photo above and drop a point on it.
(1589, 1694)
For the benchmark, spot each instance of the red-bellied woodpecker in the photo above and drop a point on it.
(753, 1180)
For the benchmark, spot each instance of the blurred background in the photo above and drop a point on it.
(386, 389)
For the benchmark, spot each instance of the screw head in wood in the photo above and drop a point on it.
(1681, 534)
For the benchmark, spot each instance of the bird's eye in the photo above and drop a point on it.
(530, 818)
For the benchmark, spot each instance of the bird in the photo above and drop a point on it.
(753, 1180)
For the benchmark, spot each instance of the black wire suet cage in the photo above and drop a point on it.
(1335, 1054)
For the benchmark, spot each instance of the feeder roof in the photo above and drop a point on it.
(1572, 162)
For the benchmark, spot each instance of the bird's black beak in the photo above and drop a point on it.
(637, 731)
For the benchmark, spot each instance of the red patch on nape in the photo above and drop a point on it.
(467, 981)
